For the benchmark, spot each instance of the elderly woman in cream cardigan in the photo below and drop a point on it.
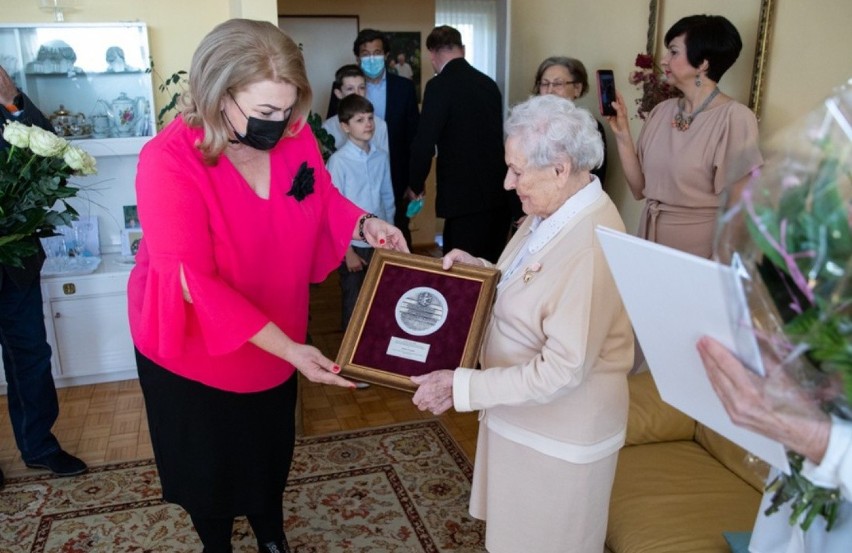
(553, 389)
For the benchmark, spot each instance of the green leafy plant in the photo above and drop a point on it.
(324, 139)
(802, 233)
(34, 188)
(174, 86)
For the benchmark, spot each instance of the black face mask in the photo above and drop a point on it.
(260, 133)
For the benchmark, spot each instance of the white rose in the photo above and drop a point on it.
(79, 160)
(46, 144)
(17, 135)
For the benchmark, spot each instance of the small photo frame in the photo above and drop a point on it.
(131, 216)
(413, 317)
(130, 239)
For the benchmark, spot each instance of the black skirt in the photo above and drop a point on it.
(219, 454)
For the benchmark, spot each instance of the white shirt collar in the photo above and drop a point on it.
(543, 230)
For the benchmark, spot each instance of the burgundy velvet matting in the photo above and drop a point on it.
(446, 344)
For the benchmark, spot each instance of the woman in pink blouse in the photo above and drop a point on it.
(240, 216)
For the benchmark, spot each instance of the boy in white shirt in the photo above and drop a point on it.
(361, 171)
(349, 79)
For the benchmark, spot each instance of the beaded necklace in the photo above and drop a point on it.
(681, 122)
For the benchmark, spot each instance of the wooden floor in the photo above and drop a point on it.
(105, 423)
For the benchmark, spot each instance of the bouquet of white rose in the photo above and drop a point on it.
(34, 188)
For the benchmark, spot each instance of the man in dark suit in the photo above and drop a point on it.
(463, 116)
(31, 394)
(394, 100)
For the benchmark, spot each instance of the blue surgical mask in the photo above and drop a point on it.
(372, 66)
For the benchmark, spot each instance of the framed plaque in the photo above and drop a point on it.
(413, 317)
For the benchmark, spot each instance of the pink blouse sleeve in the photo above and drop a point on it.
(175, 218)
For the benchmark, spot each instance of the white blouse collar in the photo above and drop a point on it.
(543, 230)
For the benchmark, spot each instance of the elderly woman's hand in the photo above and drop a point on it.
(774, 406)
(435, 391)
(380, 234)
(460, 256)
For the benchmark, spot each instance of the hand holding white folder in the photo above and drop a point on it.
(673, 299)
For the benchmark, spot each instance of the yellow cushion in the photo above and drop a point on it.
(735, 458)
(675, 498)
(652, 420)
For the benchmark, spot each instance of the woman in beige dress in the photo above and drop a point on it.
(696, 152)
(553, 391)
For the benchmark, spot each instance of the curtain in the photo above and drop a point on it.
(476, 20)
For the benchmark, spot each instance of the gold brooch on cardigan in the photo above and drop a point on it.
(530, 271)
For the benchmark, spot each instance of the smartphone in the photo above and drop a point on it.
(606, 91)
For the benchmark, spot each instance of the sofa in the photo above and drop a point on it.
(678, 485)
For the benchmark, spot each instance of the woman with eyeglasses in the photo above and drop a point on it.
(567, 77)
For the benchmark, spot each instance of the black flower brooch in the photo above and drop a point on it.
(303, 182)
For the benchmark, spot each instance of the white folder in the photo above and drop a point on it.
(674, 298)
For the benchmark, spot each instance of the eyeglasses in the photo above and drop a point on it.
(556, 85)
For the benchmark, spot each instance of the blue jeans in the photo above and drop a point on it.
(33, 405)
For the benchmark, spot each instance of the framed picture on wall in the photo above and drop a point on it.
(404, 59)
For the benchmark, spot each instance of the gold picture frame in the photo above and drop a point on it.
(753, 19)
(413, 317)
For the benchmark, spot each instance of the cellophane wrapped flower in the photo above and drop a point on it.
(655, 89)
(791, 231)
(34, 173)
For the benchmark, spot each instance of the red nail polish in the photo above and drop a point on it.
(382, 242)
(335, 368)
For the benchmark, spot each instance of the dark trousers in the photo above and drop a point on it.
(482, 234)
(33, 405)
(350, 284)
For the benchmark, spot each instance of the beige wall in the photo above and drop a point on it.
(809, 54)
(808, 51)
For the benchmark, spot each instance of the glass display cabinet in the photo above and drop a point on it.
(91, 79)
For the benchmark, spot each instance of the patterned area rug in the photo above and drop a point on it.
(392, 489)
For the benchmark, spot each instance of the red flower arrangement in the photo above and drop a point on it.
(655, 89)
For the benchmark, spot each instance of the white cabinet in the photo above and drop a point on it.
(90, 328)
(87, 326)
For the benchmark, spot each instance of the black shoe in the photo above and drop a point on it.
(2, 479)
(60, 464)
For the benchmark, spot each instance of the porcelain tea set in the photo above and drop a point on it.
(122, 117)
